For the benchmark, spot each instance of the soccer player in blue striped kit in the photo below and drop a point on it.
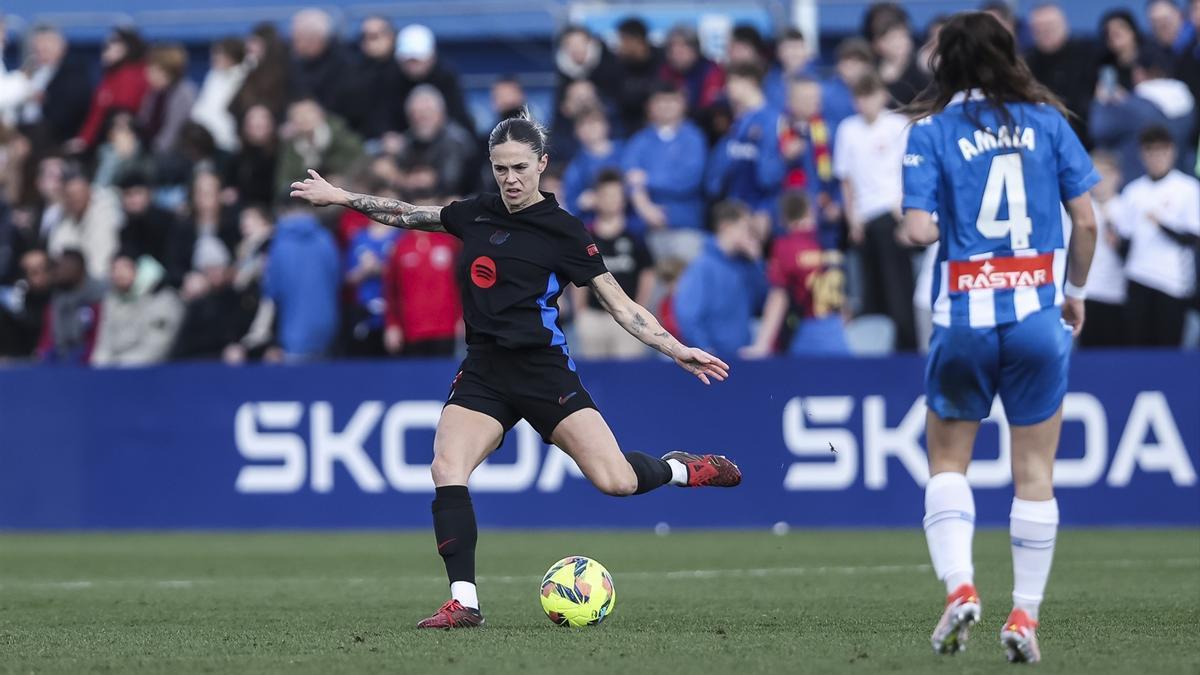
(992, 155)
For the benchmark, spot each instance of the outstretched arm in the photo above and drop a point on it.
(641, 324)
(319, 192)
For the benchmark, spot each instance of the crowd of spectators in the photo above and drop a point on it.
(751, 198)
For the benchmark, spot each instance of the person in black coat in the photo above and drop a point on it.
(148, 228)
(373, 91)
(639, 63)
(1064, 65)
(65, 85)
(319, 66)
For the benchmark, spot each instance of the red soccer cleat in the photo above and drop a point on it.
(707, 470)
(962, 612)
(453, 614)
(1019, 637)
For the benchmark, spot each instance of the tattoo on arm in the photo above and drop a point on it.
(397, 213)
(633, 317)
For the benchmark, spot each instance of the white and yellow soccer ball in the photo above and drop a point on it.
(578, 591)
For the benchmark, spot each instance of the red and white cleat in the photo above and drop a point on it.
(707, 470)
(453, 614)
(962, 611)
(1019, 637)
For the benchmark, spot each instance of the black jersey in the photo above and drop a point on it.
(514, 266)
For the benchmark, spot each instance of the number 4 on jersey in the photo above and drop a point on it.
(1005, 178)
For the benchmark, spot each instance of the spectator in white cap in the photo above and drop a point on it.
(416, 52)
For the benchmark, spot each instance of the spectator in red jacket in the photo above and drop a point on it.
(424, 312)
(123, 86)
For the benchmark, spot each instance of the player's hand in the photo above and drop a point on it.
(702, 364)
(393, 340)
(317, 191)
(1073, 314)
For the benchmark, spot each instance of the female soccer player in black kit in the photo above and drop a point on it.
(519, 251)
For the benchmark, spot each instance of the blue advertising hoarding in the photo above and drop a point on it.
(822, 443)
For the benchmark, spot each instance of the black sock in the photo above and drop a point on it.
(652, 472)
(454, 526)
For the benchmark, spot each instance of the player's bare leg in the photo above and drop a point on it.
(1033, 526)
(464, 439)
(950, 526)
(586, 437)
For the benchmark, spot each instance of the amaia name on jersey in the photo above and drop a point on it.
(984, 140)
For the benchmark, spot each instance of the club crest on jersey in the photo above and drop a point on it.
(1001, 273)
(499, 237)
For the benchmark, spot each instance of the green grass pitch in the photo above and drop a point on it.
(691, 602)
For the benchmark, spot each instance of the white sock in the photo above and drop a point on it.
(949, 527)
(1033, 527)
(678, 472)
(464, 592)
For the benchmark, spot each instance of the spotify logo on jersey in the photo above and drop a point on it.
(483, 272)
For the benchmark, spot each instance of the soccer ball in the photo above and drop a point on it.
(577, 591)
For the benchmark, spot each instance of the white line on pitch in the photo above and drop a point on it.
(734, 573)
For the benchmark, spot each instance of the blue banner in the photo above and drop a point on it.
(822, 443)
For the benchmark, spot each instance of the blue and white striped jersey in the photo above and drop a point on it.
(997, 186)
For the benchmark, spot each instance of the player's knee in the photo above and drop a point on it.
(617, 483)
(448, 471)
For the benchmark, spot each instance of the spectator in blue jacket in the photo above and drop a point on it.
(664, 166)
(302, 280)
(854, 60)
(794, 61)
(1118, 117)
(597, 151)
(746, 164)
(721, 290)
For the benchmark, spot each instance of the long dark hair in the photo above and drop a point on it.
(521, 128)
(975, 51)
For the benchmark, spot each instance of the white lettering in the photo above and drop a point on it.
(967, 149)
(901, 442)
(1151, 412)
(255, 445)
(1087, 470)
(512, 477)
(997, 472)
(555, 469)
(399, 419)
(838, 444)
(329, 447)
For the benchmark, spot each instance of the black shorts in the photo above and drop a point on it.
(539, 385)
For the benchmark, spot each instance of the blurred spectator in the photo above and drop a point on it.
(1122, 42)
(252, 168)
(373, 92)
(51, 173)
(91, 225)
(123, 87)
(508, 100)
(1063, 64)
(139, 316)
(314, 140)
(581, 56)
(69, 331)
(206, 218)
(416, 52)
(120, 150)
(1160, 219)
(1003, 12)
(806, 143)
(854, 62)
(721, 290)
(23, 306)
(1118, 117)
(13, 244)
(638, 63)
(746, 164)
(148, 227)
(925, 55)
(266, 81)
(580, 96)
(807, 289)
(437, 141)
(64, 85)
(1106, 325)
(664, 167)
(1171, 31)
(630, 263)
(597, 152)
(867, 153)
(369, 250)
(15, 87)
(685, 67)
(794, 61)
(886, 26)
(228, 67)
(319, 68)
(302, 280)
(746, 45)
(250, 261)
(1188, 66)
(424, 310)
(215, 314)
(168, 103)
